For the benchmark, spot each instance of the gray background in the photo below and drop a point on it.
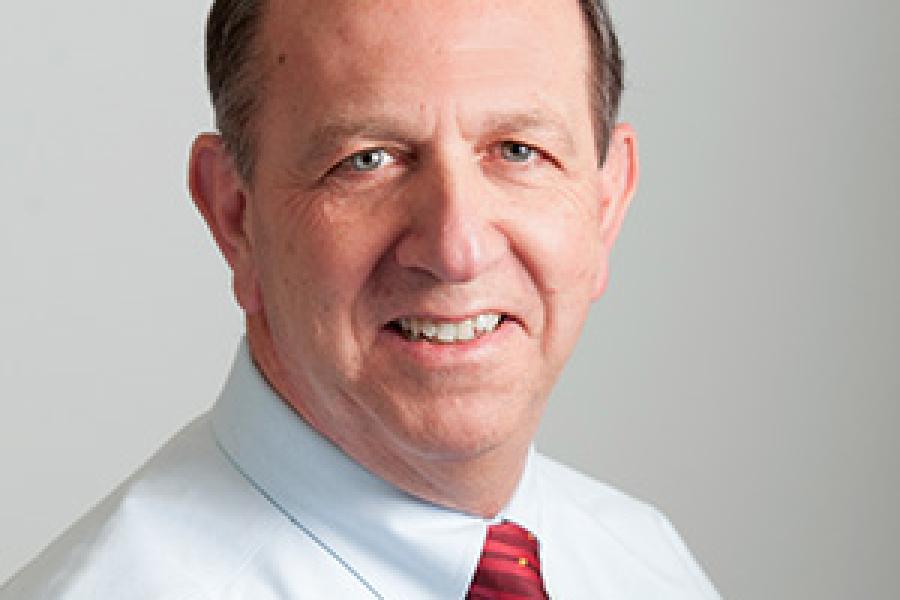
(742, 372)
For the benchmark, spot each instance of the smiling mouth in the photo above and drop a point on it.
(447, 332)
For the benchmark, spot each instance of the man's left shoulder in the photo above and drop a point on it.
(624, 530)
(576, 492)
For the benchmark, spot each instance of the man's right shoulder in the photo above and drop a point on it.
(163, 533)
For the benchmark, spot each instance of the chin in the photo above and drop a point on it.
(465, 433)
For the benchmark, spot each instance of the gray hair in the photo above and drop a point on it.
(233, 50)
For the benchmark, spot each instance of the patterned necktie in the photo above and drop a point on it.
(509, 568)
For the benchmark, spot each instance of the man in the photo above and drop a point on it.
(418, 201)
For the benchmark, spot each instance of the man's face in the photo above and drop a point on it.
(425, 169)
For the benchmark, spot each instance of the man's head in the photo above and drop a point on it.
(425, 228)
(236, 72)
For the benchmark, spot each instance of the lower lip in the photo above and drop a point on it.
(442, 354)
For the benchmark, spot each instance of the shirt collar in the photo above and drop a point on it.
(396, 544)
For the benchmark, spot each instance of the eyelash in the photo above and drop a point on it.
(536, 153)
(345, 165)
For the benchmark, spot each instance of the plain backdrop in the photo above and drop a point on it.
(742, 372)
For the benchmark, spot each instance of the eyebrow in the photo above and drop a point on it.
(328, 136)
(531, 121)
(379, 127)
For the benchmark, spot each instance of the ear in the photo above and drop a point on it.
(221, 197)
(618, 182)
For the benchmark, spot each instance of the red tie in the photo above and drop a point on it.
(509, 568)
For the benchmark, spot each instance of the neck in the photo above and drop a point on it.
(480, 483)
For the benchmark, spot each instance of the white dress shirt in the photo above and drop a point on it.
(249, 502)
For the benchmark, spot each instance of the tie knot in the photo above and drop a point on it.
(510, 566)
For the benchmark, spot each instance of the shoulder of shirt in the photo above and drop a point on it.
(580, 496)
(581, 504)
(581, 492)
(184, 519)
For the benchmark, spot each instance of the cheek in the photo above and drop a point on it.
(560, 242)
(316, 259)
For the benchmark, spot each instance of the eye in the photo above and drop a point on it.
(517, 152)
(367, 160)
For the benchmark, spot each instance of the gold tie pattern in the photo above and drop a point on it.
(510, 568)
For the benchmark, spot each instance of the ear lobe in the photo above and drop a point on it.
(619, 179)
(219, 194)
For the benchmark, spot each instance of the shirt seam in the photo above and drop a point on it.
(296, 522)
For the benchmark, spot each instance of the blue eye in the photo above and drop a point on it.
(516, 152)
(369, 160)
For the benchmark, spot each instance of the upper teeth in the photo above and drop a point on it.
(450, 331)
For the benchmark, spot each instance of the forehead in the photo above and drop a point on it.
(556, 26)
(346, 56)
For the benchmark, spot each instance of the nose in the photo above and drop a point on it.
(453, 234)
